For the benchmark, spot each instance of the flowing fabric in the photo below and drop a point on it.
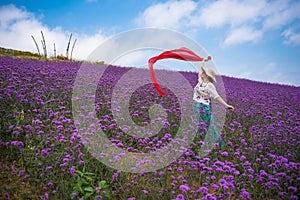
(180, 54)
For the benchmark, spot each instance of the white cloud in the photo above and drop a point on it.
(17, 26)
(230, 12)
(86, 44)
(271, 14)
(10, 13)
(291, 38)
(239, 18)
(171, 14)
(279, 13)
(242, 35)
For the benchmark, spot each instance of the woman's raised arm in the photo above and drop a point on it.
(201, 67)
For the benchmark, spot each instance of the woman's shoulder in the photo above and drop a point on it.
(211, 85)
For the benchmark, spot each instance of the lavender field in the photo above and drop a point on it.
(43, 156)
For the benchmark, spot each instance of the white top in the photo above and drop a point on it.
(204, 92)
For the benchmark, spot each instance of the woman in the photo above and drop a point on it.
(204, 93)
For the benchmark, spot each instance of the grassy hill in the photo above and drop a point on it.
(13, 52)
(27, 54)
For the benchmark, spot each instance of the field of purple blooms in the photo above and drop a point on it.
(43, 156)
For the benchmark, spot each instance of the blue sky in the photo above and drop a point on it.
(254, 39)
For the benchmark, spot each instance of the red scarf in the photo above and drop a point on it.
(180, 54)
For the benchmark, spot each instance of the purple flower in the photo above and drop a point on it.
(26, 176)
(282, 194)
(45, 152)
(294, 197)
(263, 173)
(81, 162)
(242, 158)
(145, 192)
(209, 197)
(17, 143)
(180, 197)
(219, 163)
(37, 122)
(60, 127)
(214, 186)
(161, 173)
(21, 172)
(250, 170)
(48, 168)
(184, 188)
(29, 128)
(251, 177)
(206, 159)
(63, 165)
(225, 154)
(180, 169)
(203, 190)
(236, 172)
(292, 188)
(245, 194)
(114, 176)
(50, 183)
(46, 196)
(131, 198)
(284, 160)
(72, 171)
(219, 169)
(6, 196)
(222, 181)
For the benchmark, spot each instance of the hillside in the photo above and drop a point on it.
(44, 154)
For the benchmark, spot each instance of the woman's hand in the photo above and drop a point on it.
(230, 107)
(205, 60)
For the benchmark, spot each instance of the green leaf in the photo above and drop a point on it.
(102, 184)
(89, 189)
(107, 195)
(88, 194)
(89, 178)
(88, 173)
(79, 172)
